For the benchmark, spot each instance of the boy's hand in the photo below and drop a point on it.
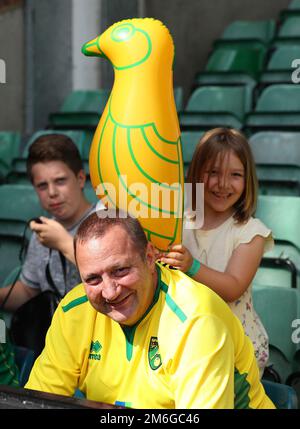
(51, 233)
(179, 257)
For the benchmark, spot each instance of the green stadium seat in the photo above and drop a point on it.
(281, 180)
(10, 143)
(10, 248)
(288, 32)
(277, 158)
(18, 174)
(277, 308)
(290, 28)
(294, 5)
(86, 101)
(283, 396)
(190, 120)
(86, 167)
(24, 358)
(232, 100)
(89, 193)
(294, 381)
(74, 120)
(277, 108)
(279, 270)
(249, 32)
(281, 214)
(211, 106)
(19, 203)
(11, 278)
(178, 97)
(233, 65)
(81, 109)
(279, 98)
(82, 139)
(221, 78)
(189, 141)
(293, 9)
(279, 68)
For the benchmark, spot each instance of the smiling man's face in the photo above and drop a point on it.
(118, 281)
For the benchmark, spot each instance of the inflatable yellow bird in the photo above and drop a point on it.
(135, 157)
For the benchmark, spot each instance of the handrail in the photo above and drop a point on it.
(282, 262)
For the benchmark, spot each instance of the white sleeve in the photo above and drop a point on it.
(246, 232)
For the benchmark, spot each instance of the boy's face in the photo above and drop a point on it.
(59, 190)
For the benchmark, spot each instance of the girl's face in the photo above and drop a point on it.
(224, 183)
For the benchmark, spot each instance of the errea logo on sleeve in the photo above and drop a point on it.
(94, 350)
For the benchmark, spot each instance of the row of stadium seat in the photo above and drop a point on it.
(82, 109)
(249, 65)
(276, 153)
(268, 32)
(279, 311)
(277, 159)
(249, 79)
(276, 108)
(209, 105)
(249, 83)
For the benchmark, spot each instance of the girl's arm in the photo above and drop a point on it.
(239, 272)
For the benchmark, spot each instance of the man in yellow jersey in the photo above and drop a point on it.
(138, 334)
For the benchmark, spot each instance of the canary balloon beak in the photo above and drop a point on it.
(92, 49)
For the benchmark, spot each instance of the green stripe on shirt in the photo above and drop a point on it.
(74, 303)
(172, 304)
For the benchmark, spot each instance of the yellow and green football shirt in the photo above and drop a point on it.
(188, 351)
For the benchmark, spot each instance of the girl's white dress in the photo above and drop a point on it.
(214, 249)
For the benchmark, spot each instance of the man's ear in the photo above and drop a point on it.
(151, 256)
(81, 177)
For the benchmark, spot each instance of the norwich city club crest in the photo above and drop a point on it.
(153, 354)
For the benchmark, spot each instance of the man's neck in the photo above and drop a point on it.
(155, 287)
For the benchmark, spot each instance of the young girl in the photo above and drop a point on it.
(225, 253)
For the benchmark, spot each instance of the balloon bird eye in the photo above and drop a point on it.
(123, 33)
